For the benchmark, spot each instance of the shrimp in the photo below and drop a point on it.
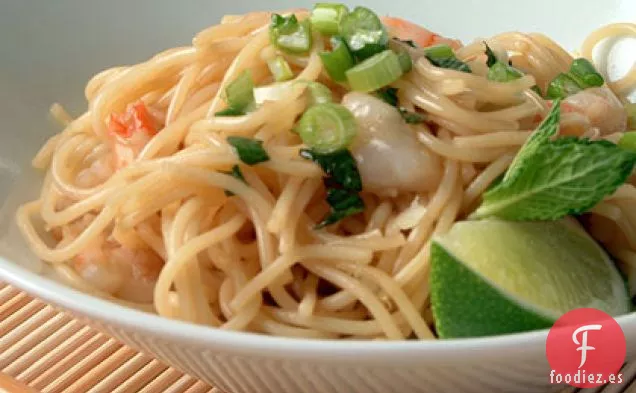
(406, 30)
(126, 273)
(390, 158)
(96, 173)
(601, 107)
(130, 132)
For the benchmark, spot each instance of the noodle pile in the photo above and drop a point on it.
(252, 260)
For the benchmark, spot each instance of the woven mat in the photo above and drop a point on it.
(50, 352)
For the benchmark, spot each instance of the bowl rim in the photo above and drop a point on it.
(256, 344)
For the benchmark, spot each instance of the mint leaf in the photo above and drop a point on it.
(567, 176)
(546, 130)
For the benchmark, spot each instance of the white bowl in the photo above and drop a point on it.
(49, 50)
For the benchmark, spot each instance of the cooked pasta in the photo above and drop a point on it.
(148, 201)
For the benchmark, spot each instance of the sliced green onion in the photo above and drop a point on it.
(338, 61)
(375, 72)
(289, 35)
(327, 128)
(250, 151)
(319, 93)
(239, 94)
(326, 17)
(562, 86)
(438, 52)
(585, 73)
(405, 61)
(280, 69)
(631, 115)
(500, 72)
(364, 33)
(628, 141)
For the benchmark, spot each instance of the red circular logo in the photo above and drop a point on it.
(586, 348)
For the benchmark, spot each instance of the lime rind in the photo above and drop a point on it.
(474, 308)
(543, 270)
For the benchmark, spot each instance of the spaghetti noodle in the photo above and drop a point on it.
(139, 205)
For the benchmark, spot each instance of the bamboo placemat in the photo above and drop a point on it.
(51, 352)
(48, 351)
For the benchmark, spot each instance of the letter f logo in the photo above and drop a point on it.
(583, 343)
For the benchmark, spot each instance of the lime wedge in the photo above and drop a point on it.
(494, 277)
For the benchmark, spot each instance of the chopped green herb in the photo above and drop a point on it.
(250, 151)
(237, 174)
(499, 71)
(411, 117)
(289, 35)
(228, 112)
(388, 95)
(492, 58)
(549, 179)
(451, 63)
(340, 166)
(344, 203)
(443, 56)
(410, 43)
(342, 183)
